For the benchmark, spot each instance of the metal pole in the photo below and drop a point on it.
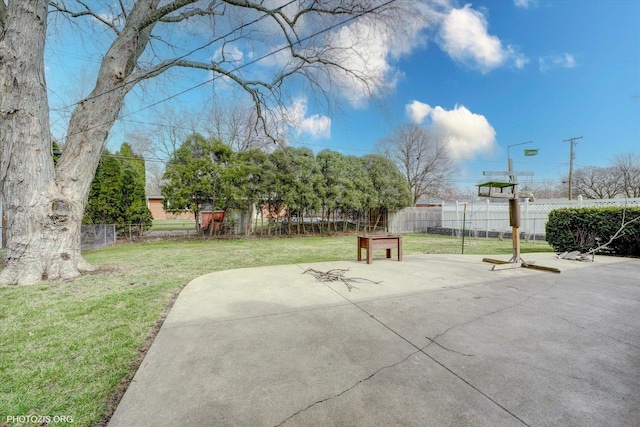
(464, 218)
(510, 162)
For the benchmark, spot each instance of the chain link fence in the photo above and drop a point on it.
(97, 236)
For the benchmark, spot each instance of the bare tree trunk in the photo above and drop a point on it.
(42, 218)
(43, 205)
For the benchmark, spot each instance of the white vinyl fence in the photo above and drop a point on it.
(487, 217)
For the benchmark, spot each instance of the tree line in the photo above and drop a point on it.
(291, 186)
(117, 194)
(619, 179)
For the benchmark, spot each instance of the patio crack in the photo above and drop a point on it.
(584, 328)
(326, 399)
(422, 350)
(551, 371)
(434, 340)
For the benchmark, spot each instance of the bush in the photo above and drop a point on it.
(585, 229)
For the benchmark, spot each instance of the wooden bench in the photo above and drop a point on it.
(369, 243)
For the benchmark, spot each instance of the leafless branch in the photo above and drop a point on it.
(209, 11)
(337, 275)
(87, 12)
(616, 235)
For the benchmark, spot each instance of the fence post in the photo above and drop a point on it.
(526, 216)
(486, 232)
(458, 216)
(464, 217)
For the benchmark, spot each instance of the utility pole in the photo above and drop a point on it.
(573, 142)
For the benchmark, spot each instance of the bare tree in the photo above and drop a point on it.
(159, 139)
(44, 203)
(548, 189)
(422, 158)
(595, 182)
(235, 125)
(627, 167)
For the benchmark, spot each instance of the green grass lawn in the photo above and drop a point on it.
(173, 224)
(66, 347)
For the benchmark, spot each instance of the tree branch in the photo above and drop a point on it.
(88, 12)
(159, 14)
(616, 234)
(209, 11)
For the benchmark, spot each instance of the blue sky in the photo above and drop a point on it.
(581, 77)
(481, 75)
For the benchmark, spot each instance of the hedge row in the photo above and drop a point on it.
(584, 229)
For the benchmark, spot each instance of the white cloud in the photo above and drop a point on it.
(525, 4)
(229, 54)
(370, 46)
(467, 134)
(316, 126)
(116, 21)
(464, 37)
(564, 60)
(418, 111)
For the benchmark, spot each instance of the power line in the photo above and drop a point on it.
(215, 40)
(237, 68)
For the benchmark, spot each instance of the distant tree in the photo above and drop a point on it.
(627, 167)
(549, 189)
(56, 150)
(332, 183)
(104, 205)
(594, 182)
(296, 182)
(251, 178)
(391, 190)
(423, 159)
(359, 192)
(134, 199)
(117, 194)
(189, 178)
(272, 200)
(236, 124)
(199, 175)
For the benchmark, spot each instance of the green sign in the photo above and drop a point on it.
(530, 152)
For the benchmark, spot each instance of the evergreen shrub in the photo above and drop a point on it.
(584, 229)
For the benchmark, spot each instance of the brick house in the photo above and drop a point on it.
(154, 203)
